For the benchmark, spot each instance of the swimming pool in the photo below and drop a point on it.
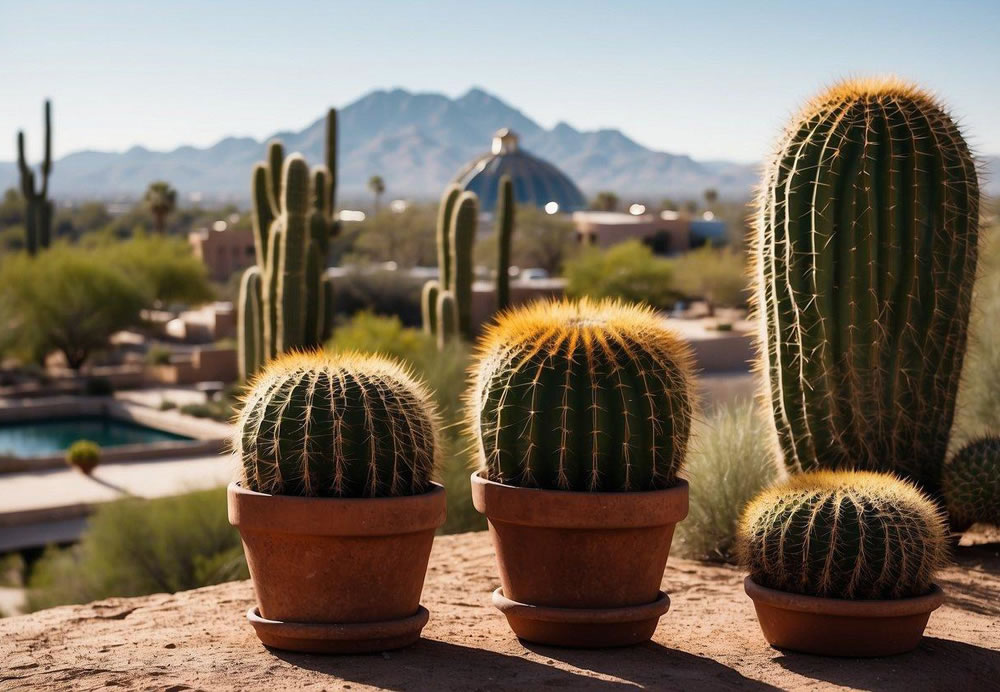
(52, 436)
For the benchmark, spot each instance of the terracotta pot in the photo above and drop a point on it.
(580, 569)
(838, 627)
(337, 575)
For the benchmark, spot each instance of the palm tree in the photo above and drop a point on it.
(377, 186)
(604, 201)
(161, 200)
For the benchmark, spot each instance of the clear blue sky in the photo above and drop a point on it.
(712, 79)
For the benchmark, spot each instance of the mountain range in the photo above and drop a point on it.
(417, 142)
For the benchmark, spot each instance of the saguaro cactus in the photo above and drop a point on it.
(293, 220)
(582, 396)
(844, 534)
(458, 216)
(505, 231)
(865, 251)
(38, 206)
(346, 425)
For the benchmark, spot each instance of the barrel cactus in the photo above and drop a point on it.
(971, 484)
(587, 396)
(844, 534)
(345, 425)
(865, 255)
(84, 456)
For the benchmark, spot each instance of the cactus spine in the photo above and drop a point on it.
(346, 425)
(865, 253)
(844, 534)
(38, 206)
(971, 484)
(458, 216)
(293, 221)
(505, 231)
(588, 396)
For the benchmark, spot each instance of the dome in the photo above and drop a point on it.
(536, 182)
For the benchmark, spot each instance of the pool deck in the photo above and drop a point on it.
(51, 505)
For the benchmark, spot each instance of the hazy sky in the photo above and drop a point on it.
(712, 79)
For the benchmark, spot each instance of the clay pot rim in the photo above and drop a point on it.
(336, 516)
(818, 605)
(590, 616)
(579, 510)
(331, 631)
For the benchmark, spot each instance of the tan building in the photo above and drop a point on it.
(223, 252)
(606, 228)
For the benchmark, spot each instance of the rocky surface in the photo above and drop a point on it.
(709, 640)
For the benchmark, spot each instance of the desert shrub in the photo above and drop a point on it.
(718, 276)
(158, 355)
(445, 373)
(84, 456)
(629, 271)
(730, 461)
(978, 410)
(135, 547)
(380, 292)
(164, 268)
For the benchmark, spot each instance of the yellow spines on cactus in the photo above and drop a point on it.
(591, 396)
(336, 425)
(844, 534)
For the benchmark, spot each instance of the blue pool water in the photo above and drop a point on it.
(42, 438)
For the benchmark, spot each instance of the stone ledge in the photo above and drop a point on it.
(709, 640)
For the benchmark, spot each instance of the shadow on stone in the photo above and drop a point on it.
(653, 666)
(936, 663)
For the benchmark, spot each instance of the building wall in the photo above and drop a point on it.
(605, 229)
(223, 252)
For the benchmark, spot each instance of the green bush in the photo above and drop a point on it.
(445, 373)
(717, 276)
(135, 547)
(978, 410)
(730, 461)
(629, 271)
(84, 456)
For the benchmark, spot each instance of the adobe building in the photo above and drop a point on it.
(223, 252)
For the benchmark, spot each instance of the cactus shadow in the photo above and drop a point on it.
(653, 666)
(977, 586)
(935, 664)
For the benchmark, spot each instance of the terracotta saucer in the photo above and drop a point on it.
(582, 627)
(352, 638)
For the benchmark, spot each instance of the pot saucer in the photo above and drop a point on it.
(582, 627)
(331, 638)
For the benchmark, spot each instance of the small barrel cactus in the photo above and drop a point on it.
(865, 252)
(343, 425)
(587, 396)
(844, 534)
(972, 484)
(84, 456)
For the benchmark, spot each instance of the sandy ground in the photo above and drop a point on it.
(709, 640)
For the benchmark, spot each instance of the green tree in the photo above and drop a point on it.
(629, 271)
(163, 267)
(66, 300)
(711, 197)
(542, 240)
(161, 200)
(717, 276)
(407, 238)
(377, 187)
(605, 201)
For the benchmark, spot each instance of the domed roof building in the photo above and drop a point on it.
(536, 182)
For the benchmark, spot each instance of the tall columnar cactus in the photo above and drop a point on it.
(293, 221)
(588, 396)
(458, 216)
(844, 534)
(971, 484)
(346, 425)
(38, 206)
(505, 231)
(865, 253)
(446, 313)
